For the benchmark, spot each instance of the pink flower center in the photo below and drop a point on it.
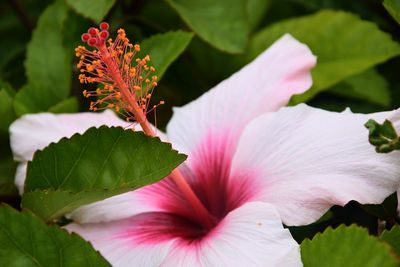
(210, 179)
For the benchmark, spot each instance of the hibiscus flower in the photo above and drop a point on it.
(253, 164)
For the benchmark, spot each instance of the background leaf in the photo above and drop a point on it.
(69, 105)
(98, 164)
(221, 23)
(256, 10)
(92, 9)
(393, 7)
(346, 246)
(369, 86)
(7, 172)
(386, 210)
(7, 113)
(392, 237)
(341, 51)
(48, 64)
(165, 48)
(26, 241)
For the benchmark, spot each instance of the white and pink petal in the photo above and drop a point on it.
(307, 160)
(251, 235)
(215, 120)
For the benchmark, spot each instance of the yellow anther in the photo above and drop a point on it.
(132, 72)
(100, 73)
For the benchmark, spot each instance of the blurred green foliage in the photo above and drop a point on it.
(194, 44)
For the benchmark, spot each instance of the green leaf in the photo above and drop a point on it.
(92, 9)
(69, 105)
(256, 10)
(165, 48)
(98, 164)
(386, 210)
(342, 51)
(48, 64)
(368, 86)
(383, 136)
(7, 113)
(392, 237)
(30, 99)
(27, 241)
(346, 246)
(221, 23)
(393, 7)
(7, 175)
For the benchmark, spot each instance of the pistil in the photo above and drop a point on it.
(109, 72)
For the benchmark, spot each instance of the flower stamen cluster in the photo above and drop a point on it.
(123, 77)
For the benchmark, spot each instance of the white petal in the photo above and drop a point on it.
(120, 251)
(310, 159)
(262, 86)
(20, 176)
(116, 207)
(36, 131)
(251, 235)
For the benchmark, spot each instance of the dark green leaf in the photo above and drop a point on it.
(383, 136)
(393, 7)
(69, 105)
(386, 210)
(92, 9)
(221, 23)
(26, 241)
(7, 113)
(165, 48)
(256, 10)
(30, 99)
(346, 246)
(342, 51)
(98, 164)
(48, 64)
(392, 237)
(368, 86)
(7, 174)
